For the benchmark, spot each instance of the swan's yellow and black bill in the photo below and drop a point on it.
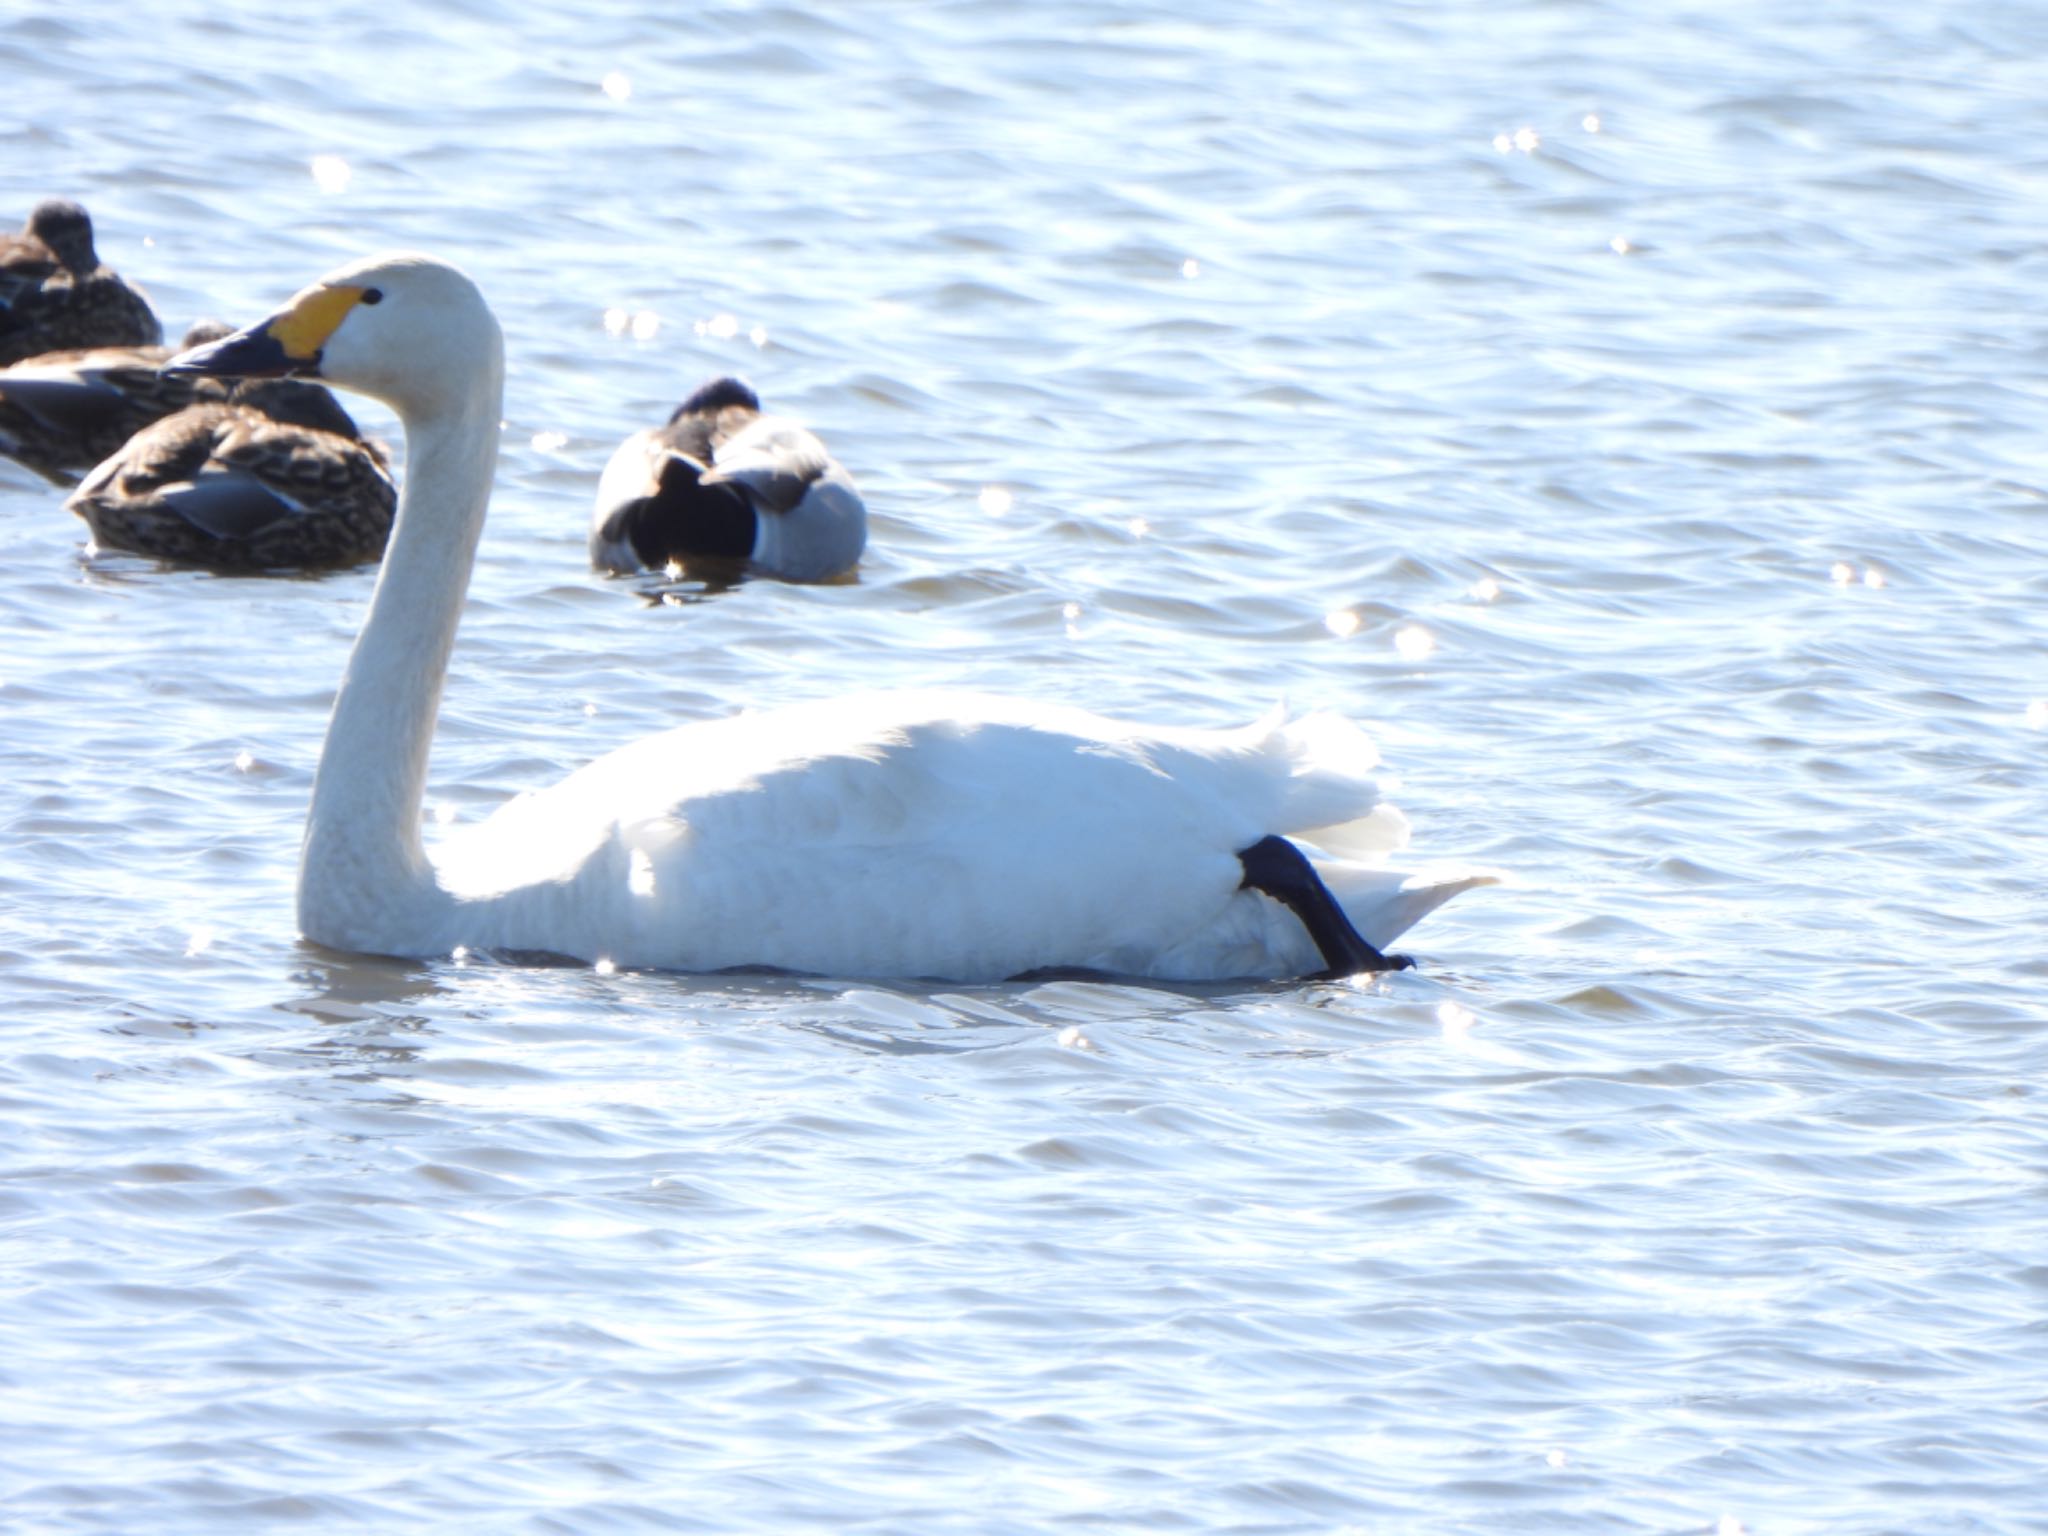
(288, 343)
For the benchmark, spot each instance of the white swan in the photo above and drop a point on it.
(722, 481)
(914, 835)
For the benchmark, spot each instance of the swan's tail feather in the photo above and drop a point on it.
(1330, 802)
(1383, 904)
(1329, 780)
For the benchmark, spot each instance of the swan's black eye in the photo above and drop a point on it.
(373, 295)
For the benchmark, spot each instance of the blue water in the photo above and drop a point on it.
(1632, 415)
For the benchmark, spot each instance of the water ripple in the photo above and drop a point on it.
(1627, 421)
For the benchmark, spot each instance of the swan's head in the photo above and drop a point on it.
(409, 330)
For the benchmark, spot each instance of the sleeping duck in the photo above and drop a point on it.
(55, 294)
(275, 477)
(63, 412)
(723, 482)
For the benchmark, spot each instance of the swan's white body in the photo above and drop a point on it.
(915, 834)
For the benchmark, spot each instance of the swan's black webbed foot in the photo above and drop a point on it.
(1282, 871)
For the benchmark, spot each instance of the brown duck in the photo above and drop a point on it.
(57, 295)
(63, 412)
(276, 478)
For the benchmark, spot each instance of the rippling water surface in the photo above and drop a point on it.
(1632, 414)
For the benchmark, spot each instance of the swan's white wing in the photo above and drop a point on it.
(918, 834)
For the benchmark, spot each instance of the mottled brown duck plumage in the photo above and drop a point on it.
(63, 412)
(57, 295)
(276, 478)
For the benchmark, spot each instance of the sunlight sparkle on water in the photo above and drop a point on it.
(996, 501)
(645, 323)
(758, 336)
(723, 327)
(1457, 1021)
(1414, 642)
(331, 173)
(1590, 122)
(200, 941)
(1485, 589)
(1554, 1458)
(2037, 714)
(604, 967)
(244, 761)
(1191, 268)
(1873, 577)
(616, 85)
(1341, 622)
(445, 814)
(616, 321)
(640, 873)
(1527, 140)
(1620, 245)
(1841, 573)
(550, 441)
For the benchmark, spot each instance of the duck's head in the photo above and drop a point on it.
(409, 330)
(65, 229)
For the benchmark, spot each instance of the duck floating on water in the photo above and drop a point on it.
(957, 836)
(63, 412)
(724, 482)
(276, 477)
(57, 295)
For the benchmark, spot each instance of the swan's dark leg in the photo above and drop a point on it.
(1281, 870)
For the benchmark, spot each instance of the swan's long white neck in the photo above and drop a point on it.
(365, 882)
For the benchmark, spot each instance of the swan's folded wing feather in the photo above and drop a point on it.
(921, 833)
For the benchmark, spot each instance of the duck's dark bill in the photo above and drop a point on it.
(252, 354)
